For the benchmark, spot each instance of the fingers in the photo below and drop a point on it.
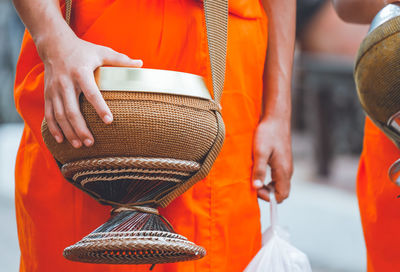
(51, 122)
(111, 57)
(87, 84)
(63, 114)
(64, 124)
(281, 173)
(259, 168)
(65, 76)
(75, 118)
(263, 193)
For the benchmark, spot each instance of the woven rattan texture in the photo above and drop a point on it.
(205, 168)
(70, 169)
(68, 9)
(151, 250)
(187, 101)
(377, 35)
(133, 181)
(376, 72)
(145, 125)
(130, 186)
(134, 237)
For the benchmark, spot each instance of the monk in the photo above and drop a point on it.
(377, 195)
(56, 65)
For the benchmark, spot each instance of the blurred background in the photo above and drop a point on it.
(322, 213)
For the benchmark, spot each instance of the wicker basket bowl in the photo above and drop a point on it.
(377, 73)
(146, 124)
(166, 134)
(377, 76)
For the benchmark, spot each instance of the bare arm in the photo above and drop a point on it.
(44, 21)
(272, 143)
(69, 64)
(359, 11)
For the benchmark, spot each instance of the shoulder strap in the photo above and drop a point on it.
(216, 14)
(68, 8)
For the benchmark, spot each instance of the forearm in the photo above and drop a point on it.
(279, 60)
(44, 21)
(272, 143)
(359, 11)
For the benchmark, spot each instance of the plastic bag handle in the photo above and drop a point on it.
(273, 207)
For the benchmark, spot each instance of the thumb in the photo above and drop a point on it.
(113, 58)
(259, 171)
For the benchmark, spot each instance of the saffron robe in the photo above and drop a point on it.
(378, 201)
(221, 212)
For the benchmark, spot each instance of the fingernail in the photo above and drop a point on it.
(108, 119)
(76, 143)
(58, 139)
(88, 142)
(257, 183)
(138, 63)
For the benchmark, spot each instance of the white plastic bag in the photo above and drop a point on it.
(277, 254)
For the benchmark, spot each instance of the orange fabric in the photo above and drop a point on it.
(379, 202)
(221, 212)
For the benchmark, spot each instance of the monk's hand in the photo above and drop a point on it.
(272, 146)
(69, 71)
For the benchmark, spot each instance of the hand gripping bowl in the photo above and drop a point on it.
(377, 76)
(166, 134)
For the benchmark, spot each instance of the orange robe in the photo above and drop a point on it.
(379, 202)
(221, 212)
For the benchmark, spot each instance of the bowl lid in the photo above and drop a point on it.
(388, 12)
(151, 80)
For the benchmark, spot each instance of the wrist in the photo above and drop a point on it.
(277, 112)
(283, 121)
(277, 100)
(49, 41)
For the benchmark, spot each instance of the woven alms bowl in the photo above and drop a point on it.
(146, 124)
(377, 76)
(166, 134)
(377, 71)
